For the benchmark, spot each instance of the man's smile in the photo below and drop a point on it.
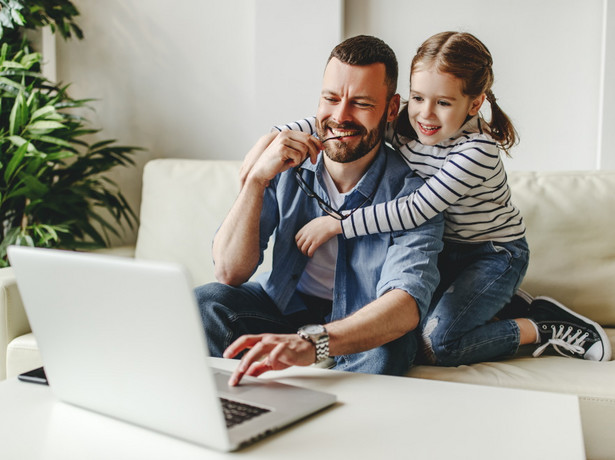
(342, 133)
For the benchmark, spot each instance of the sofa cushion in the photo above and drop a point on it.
(545, 373)
(570, 219)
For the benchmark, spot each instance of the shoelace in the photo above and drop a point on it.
(572, 343)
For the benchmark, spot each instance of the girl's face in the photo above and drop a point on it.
(437, 108)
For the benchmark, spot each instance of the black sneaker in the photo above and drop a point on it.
(569, 333)
(518, 307)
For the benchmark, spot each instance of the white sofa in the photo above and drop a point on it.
(570, 218)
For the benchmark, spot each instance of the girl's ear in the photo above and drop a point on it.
(393, 108)
(476, 105)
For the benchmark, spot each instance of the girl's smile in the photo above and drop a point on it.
(428, 130)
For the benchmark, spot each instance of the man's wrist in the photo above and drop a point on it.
(256, 183)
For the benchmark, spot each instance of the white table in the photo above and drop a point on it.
(377, 417)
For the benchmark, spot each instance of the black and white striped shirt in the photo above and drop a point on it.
(464, 178)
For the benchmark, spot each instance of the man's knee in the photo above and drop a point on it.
(213, 300)
(213, 293)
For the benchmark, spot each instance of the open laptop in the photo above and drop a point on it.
(124, 338)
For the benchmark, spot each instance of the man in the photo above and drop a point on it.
(357, 300)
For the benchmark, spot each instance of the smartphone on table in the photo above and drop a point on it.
(34, 376)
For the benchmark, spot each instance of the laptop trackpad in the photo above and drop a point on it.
(221, 378)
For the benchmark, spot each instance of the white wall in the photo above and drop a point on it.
(547, 59)
(198, 78)
(203, 78)
(606, 159)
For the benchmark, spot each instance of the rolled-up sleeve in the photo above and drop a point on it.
(411, 263)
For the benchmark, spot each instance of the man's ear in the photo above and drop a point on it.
(393, 108)
(476, 105)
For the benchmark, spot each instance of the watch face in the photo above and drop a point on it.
(313, 329)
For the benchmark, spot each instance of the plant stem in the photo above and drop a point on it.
(24, 217)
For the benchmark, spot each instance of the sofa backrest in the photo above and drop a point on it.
(570, 218)
(182, 205)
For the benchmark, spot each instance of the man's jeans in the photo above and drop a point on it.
(477, 280)
(229, 312)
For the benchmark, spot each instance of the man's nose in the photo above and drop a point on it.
(341, 112)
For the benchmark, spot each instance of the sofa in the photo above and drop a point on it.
(570, 218)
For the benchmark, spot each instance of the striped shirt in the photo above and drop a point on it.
(464, 178)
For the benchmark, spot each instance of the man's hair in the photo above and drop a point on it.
(364, 50)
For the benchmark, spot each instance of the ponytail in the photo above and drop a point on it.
(502, 129)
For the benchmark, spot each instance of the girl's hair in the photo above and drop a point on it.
(465, 57)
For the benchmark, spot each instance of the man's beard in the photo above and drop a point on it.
(341, 152)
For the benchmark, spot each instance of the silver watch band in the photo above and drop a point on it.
(322, 349)
(320, 341)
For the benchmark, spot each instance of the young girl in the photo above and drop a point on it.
(446, 141)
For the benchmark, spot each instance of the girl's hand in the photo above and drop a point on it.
(316, 232)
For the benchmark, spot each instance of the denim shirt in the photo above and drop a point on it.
(367, 267)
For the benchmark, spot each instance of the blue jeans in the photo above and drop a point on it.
(229, 312)
(476, 281)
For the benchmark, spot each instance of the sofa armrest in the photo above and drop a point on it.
(13, 319)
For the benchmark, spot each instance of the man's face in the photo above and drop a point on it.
(353, 104)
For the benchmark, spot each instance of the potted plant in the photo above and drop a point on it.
(53, 190)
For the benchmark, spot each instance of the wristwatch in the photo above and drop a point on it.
(316, 334)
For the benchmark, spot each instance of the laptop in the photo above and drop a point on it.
(124, 338)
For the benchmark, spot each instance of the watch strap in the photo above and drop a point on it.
(320, 341)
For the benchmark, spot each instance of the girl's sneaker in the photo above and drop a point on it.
(569, 333)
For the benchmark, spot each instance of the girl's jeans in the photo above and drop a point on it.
(477, 280)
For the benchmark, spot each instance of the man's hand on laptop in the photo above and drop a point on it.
(269, 352)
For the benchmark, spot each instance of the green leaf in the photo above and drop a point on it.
(8, 240)
(17, 141)
(44, 126)
(61, 155)
(34, 186)
(16, 160)
(54, 140)
(17, 119)
(17, 17)
(43, 112)
(12, 65)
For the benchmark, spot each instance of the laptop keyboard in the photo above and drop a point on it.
(236, 412)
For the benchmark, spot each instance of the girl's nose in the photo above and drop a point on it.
(427, 110)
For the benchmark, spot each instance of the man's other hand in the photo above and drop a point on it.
(287, 150)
